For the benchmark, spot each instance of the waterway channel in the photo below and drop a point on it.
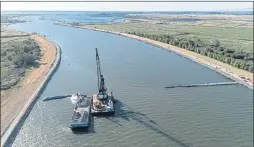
(137, 73)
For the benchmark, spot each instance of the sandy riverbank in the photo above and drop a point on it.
(14, 100)
(231, 72)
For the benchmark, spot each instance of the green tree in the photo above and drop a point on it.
(232, 61)
(216, 43)
(229, 51)
(228, 60)
(237, 64)
(242, 64)
(221, 48)
(210, 54)
(197, 50)
(4, 53)
(18, 61)
(9, 58)
(204, 53)
(190, 43)
(246, 68)
(251, 69)
(29, 59)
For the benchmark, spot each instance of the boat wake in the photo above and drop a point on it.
(74, 98)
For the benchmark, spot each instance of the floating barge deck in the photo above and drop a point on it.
(103, 106)
(81, 114)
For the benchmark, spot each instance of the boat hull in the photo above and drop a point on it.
(75, 126)
(94, 112)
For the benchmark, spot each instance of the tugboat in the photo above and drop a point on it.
(102, 102)
(81, 114)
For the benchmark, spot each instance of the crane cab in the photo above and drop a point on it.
(102, 96)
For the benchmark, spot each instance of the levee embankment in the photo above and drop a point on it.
(15, 126)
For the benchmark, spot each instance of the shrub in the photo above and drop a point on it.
(228, 60)
(251, 69)
(18, 61)
(29, 59)
(229, 51)
(9, 58)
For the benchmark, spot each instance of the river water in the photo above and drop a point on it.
(149, 114)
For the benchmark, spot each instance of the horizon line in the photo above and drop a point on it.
(244, 9)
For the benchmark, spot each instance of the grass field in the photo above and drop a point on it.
(236, 38)
(233, 37)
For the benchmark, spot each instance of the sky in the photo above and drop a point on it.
(125, 6)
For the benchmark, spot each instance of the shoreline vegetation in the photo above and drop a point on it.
(33, 57)
(243, 77)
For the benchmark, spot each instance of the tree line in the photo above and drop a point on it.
(214, 49)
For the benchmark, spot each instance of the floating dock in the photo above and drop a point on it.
(203, 85)
(81, 114)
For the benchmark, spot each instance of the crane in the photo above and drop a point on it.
(101, 81)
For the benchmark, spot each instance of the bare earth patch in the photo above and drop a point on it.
(13, 100)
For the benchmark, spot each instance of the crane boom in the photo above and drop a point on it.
(101, 82)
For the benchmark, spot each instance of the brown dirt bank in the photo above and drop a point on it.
(13, 100)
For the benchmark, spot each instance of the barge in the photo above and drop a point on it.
(82, 110)
(102, 102)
